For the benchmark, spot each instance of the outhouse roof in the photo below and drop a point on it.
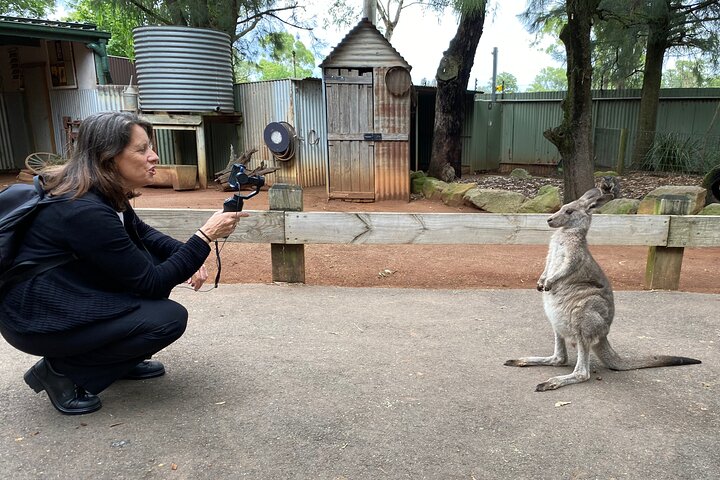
(15, 30)
(364, 46)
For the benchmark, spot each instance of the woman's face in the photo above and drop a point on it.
(136, 163)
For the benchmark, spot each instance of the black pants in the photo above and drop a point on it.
(96, 355)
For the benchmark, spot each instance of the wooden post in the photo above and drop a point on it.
(201, 157)
(664, 263)
(288, 261)
(622, 148)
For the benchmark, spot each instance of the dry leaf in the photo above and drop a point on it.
(562, 404)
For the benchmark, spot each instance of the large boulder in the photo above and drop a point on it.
(495, 201)
(417, 183)
(454, 193)
(433, 188)
(547, 200)
(620, 206)
(520, 173)
(695, 195)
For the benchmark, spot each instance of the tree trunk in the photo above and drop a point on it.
(452, 80)
(573, 137)
(657, 45)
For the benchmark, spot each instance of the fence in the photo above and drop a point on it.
(509, 132)
(288, 229)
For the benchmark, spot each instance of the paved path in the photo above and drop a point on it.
(300, 382)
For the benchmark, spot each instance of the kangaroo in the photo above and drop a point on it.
(578, 300)
(610, 184)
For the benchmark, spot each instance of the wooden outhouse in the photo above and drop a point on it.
(367, 87)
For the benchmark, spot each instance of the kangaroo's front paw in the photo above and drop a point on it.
(540, 287)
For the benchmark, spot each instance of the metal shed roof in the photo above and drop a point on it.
(364, 46)
(15, 30)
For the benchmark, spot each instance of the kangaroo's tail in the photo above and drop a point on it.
(613, 361)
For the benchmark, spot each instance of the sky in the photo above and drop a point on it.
(422, 38)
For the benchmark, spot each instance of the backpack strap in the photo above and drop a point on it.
(26, 270)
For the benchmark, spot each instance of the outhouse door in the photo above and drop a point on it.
(351, 154)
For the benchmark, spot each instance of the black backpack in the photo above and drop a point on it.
(18, 206)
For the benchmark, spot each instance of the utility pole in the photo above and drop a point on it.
(494, 75)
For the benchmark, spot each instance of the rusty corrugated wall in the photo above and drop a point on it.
(297, 102)
(392, 153)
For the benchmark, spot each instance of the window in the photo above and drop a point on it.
(62, 66)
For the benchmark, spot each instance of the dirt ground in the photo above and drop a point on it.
(417, 266)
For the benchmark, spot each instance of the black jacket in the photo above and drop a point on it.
(116, 265)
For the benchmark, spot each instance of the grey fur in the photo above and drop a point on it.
(610, 184)
(578, 299)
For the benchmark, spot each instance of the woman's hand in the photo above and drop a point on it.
(198, 278)
(221, 225)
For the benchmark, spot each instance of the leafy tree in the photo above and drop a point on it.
(245, 21)
(452, 76)
(573, 136)
(687, 74)
(346, 12)
(549, 79)
(27, 8)
(112, 18)
(289, 58)
(664, 26)
(504, 82)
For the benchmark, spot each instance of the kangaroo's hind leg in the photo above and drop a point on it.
(580, 374)
(558, 358)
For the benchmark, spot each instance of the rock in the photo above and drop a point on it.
(417, 174)
(696, 196)
(495, 201)
(433, 188)
(520, 173)
(454, 193)
(620, 206)
(547, 200)
(712, 209)
(609, 173)
(416, 184)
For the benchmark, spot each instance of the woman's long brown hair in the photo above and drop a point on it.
(101, 137)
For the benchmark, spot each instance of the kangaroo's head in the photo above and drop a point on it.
(577, 214)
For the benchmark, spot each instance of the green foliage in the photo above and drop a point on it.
(505, 82)
(549, 79)
(682, 153)
(27, 8)
(282, 56)
(110, 18)
(690, 74)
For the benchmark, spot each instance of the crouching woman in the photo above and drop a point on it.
(101, 316)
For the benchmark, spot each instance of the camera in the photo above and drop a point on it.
(237, 179)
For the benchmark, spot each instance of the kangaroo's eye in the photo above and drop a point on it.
(569, 211)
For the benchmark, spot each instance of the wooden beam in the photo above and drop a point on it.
(260, 227)
(463, 228)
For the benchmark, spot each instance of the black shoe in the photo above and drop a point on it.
(146, 369)
(64, 395)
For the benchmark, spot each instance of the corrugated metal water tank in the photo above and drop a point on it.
(183, 69)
